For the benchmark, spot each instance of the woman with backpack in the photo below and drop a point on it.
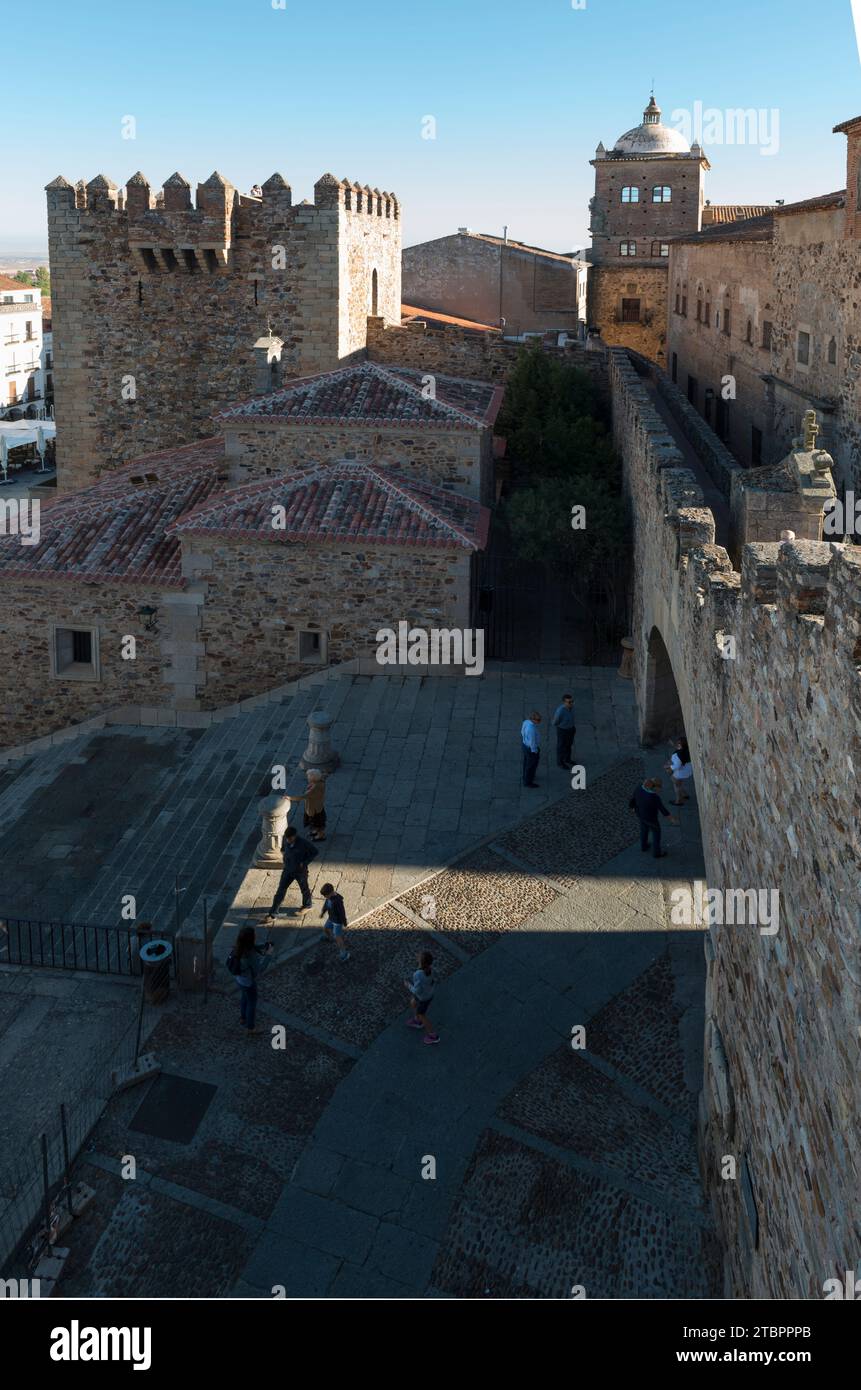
(246, 963)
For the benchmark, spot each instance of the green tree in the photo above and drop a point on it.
(43, 279)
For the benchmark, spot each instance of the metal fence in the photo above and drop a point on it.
(70, 946)
(34, 1180)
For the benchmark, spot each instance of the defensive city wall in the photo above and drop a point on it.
(760, 666)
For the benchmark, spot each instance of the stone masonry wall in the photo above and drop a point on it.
(468, 277)
(34, 703)
(775, 735)
(817, 278)
(608, 286)
(157, 308)
(725, 274)
(260, 595)
(457, 459)
(454, 351)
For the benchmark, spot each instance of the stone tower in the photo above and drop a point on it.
(158, 301)
(648, 188)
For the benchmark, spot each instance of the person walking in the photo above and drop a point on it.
(315, 809)
(246, 963)
(682, 770)
(298, 854)
(647, 803)
(563, 722)
(421, 997)
(335, 926)
(530, 737)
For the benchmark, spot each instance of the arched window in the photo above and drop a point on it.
(832, 353)
(374, 293)
(662, 194)
(749, 331)
(630, 194)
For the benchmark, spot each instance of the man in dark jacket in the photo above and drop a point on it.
(647, 802)
(298, 854)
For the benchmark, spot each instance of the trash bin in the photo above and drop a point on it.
(155, 960)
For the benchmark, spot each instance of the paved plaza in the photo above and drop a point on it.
(350, 1159)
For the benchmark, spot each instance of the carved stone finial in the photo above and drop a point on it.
(810, 431)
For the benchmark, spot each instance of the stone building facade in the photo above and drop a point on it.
(722, 313)
(773, 305)
(155, 299)
(494, 280)
(195, 577)
(648, 188)
(773, 719)
(384, 414)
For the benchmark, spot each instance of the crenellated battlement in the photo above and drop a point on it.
(759, 666)
(215, 197)
(172, 287)
(814, 580)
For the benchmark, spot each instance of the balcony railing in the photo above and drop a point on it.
(13, 338)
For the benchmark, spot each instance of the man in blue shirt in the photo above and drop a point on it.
(563, 722)
(647, 802)
(530, 737)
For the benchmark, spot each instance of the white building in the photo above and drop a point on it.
(21, 373)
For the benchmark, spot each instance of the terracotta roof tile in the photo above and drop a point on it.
(411, 311)
(116, 530)
(370, 394)
(349, 502)
(715, 213)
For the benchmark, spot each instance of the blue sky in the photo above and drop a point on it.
(521, 92)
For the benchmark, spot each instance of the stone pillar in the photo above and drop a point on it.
(320, 752)
(626, 670)
(275, 810)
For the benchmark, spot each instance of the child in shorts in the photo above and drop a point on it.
(421, 997)
(335, 926)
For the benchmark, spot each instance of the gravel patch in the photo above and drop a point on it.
(526, 1226)
(356, 999)
(575, 837)
(479, 899)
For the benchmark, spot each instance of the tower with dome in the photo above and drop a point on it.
(648, 188)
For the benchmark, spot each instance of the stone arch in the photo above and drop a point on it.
(663, 715)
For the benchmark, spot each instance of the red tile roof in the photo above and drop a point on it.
(411, 311)
(714, 213)
(8, 283)
(370, 394)
(116, 530)
(350, 502)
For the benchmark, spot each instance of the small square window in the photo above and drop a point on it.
(312, 648)
(75, 653)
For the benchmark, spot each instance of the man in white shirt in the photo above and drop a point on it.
(530, 737)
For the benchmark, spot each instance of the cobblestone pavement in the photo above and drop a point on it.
(353, 1160)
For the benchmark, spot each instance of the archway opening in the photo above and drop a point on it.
(663, 709)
